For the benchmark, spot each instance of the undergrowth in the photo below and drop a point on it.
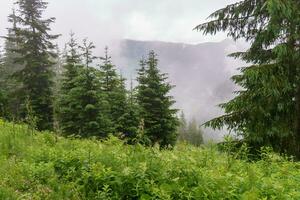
(37, 165)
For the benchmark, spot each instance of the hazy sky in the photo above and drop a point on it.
(103, 21)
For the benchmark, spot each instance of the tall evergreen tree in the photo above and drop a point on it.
(67, 105)
(35, 51)
(87, 98)
(110, 77)
(113, 87)
(267, 110)
(128, 122)
(119, 106)
(159, 117)
(80, 106)
(142, 84)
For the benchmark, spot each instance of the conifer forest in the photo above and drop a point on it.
(74, 125)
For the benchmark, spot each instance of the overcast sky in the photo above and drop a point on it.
(103, 21)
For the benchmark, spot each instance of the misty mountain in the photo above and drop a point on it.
(200, 72)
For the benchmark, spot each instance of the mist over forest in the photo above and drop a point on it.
(131, 99)
(200, 72)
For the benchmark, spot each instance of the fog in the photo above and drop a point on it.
(105, 21)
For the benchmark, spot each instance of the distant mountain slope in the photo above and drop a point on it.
(200, 72)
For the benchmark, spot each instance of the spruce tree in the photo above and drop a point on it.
(87, 98)
(119, 106)
(67, 104)
(128, 123)
(35, 51)
(114, 90)
(267, 109)
(142, 85)
(160, 121)
(110, 77)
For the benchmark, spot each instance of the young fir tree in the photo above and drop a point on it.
(129, 122)
(160, 121)
(92, 121)
(267, 110)
(67, 103)
(141, 87)
(35, 53)
(113, 87)
(119, 106)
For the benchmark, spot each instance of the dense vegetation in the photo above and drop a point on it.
(266, 111)
(46, 166)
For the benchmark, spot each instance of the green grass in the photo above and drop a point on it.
(45, 166)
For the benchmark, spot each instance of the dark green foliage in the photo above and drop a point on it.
(115, 95)
(94, 102)
(119, 108)
(3, 103)
(110, 77)
(80, 101)
(267, 109)
(130, 120)
(160, 121)
(87, 102)
(93, 121)
(34, 52)
(67, 107)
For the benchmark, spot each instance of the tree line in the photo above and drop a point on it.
(77, 92)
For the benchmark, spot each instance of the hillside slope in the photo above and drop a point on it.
(44, 166)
